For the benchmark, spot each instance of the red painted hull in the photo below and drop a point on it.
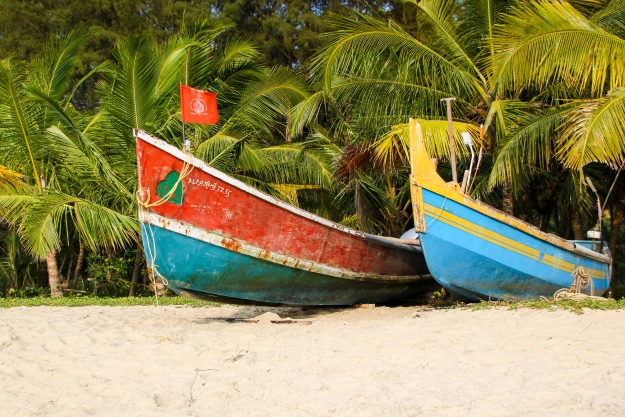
(223, 206)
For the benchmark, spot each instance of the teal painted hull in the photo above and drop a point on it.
(202, 270)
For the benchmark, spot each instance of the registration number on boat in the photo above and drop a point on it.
(209, 186)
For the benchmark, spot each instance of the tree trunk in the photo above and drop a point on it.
(69, 271)
(54, 279)
(617, 221)
(546, 217)
(508, 206)
(136, 270)
(79, 262)
(576, 224)
(109, 268)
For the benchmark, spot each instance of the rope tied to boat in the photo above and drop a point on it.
(581, 282)
(440, 211)
(150, 242)
(186, 170)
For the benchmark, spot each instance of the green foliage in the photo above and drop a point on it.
(576, 306)
(27, 292)
(106, 21)
(103, 301)
(618, 290)
(107, 276)
(16, 268)
(289, 31)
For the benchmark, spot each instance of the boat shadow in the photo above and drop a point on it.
(274, 314)
(305, 315)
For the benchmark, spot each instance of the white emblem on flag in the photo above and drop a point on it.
(198, 106)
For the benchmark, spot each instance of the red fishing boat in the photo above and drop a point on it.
(210, 236)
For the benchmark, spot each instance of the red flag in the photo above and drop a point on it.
(198, 106)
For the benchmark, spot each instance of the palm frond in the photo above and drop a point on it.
(611, 17)
(84, 157)
(589, 7)
(264, 103)
(102, 227)
(304, 163)
(37, 218)
(507, 116)
(50, 72)
(306, 112)
(365, 43)
(131, 99)
(225, 152)
(595, 132)
(443, 33)
(529, 145)
(173, 54)
(546, 41)
(379, 103)
(22, 136)
(395, 143)
(11, 177)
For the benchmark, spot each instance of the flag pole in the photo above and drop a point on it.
(186, 145)
(182, 114)
(450, 129)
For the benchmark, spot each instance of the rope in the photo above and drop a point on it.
(186, 170)
(434, 218)
(150, 242)
(581, 281)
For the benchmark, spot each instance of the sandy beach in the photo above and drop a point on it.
(400, 361)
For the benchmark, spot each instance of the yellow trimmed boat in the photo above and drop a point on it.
(479, 252)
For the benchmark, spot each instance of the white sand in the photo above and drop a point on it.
(168, 361)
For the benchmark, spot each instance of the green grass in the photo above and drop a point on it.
(576, 306)
(101, 301)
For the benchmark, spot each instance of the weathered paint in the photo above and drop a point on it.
(148, 219)
(202, 270)
(223, 214)
(493, 255)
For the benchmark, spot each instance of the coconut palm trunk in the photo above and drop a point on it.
(79, 262)
(136, 271)
(617, 221)
(54, 279)
(576, 223)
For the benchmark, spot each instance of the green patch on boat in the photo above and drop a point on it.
(163, 188)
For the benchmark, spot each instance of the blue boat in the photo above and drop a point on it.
(478, 252)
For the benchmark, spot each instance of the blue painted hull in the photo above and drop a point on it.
(199, 269)
(477, 256)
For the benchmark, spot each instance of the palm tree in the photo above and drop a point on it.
(543, 76)
(569, 56)
(65, 176)
(376, 75)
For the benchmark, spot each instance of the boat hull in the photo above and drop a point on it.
(478, 257)
(216, 237)
(209, 271)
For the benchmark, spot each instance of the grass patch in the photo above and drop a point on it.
(576, 306)
(102, 301)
